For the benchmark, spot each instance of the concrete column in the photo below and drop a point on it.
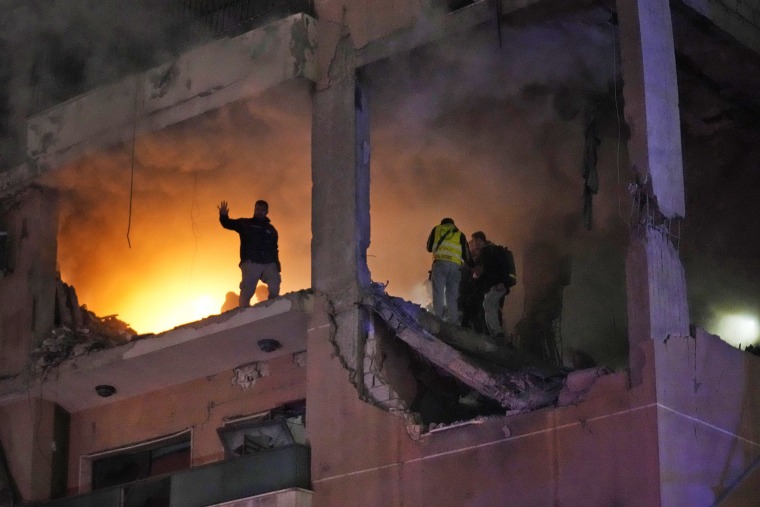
(656, 284)
(650, 90)
(27, 432)
(27, 290)
(340, 198)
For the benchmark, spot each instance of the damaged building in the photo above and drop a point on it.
(579, 132)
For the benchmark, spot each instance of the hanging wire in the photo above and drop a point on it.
(617, 116)
(194, 213)
(132, 171)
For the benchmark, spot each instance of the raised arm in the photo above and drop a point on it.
(224, 217)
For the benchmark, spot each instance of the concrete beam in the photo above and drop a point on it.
(207, 347)
(441, 26)
(199, 80)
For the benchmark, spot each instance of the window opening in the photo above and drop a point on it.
(146, 461)
(280, 427)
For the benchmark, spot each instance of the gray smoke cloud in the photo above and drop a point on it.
(491, 136)
(52, 50)
(494, 138)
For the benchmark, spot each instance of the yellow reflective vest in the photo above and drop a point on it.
(450, 248)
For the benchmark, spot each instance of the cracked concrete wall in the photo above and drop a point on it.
(27, 290)
(388, 376)
(656, 284)
(603, 448)
(708, 409)
(201, 405)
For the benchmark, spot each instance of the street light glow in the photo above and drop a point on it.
(739, 330)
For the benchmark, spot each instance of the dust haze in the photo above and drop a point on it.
(491, 135)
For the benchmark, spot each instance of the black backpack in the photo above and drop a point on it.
(508, 259)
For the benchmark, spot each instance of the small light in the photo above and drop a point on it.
(104, 390)
(269, 345)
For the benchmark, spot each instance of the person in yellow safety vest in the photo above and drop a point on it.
(450, 251)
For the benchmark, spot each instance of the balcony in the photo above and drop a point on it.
(255, 474)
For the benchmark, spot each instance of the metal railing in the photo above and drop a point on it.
(256, 474)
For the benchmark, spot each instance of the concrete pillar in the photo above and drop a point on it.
(650, 90)
(27, 290)
(27, 432)
(340, 198)
(656, 284)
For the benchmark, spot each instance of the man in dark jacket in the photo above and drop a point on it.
(259, 255)
(494, 273)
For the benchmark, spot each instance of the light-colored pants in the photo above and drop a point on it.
(445, 277)
(252, 273)
(492, 309)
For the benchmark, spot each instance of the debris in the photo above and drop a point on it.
(510, 377)
(578, 383)
(246, 375)
(77, 331)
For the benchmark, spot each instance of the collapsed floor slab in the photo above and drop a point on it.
(507, 376)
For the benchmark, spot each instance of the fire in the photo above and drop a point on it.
(152, 311)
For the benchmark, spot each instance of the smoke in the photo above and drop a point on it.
(491, 136)
(494, 138)
(179, 253)
(52, 50)
(720, 242)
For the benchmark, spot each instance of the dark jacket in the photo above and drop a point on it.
(496, 267)
(258, 238)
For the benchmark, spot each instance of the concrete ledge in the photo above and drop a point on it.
(196, 350)
(200, 80)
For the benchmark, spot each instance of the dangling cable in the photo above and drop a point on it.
(132, 172)
(194, 213)
(617, 115)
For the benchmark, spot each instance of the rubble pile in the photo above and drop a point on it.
(77, 331)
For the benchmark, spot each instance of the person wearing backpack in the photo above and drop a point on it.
(495, 274)
(450, 252)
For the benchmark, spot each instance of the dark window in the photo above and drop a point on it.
(282, 426)
(146, 461)
(3, 252)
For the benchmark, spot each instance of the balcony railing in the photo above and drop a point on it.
(263, 472)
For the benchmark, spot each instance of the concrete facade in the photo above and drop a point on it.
(680, 430)
(27, 288)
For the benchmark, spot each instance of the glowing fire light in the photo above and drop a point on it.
(173, 304)
(738, 329)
